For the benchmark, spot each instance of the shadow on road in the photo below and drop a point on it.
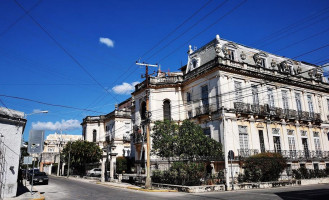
(305, 194)
(21, 189)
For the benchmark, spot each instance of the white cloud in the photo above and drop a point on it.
(107, 41)
(70, 124)
(124, 88)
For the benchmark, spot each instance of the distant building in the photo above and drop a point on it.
(112, 129)
(53, 144)
(12, 124)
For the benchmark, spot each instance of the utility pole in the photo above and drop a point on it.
(59, 149)
(68, 167)
(148, 183)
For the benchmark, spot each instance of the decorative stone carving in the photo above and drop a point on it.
(243, 55)
(273, 64)
(284, 67)
(299, 70)
(189, 49)
(217, 45)
(225, 51)
(257, 59)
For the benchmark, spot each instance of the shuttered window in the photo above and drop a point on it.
(298, 102)
(204, 93)
(243, 138)
(166, 110)
(238, 91)
(255, 99)
(285, 99)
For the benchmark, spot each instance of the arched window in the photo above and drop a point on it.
(94, 135)
(166, 110)
(143, 110)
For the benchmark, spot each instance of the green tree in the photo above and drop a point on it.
(264, 167)
(186, 140)
(81, 153)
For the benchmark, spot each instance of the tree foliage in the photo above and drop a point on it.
(264, 167)
(186, 140)
(81, 153)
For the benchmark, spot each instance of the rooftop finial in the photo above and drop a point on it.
(217, 37)
(189, 49)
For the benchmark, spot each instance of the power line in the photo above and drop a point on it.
(287, 28)
(188, 29)
(65, 50)
(48, 104)
(294, 43)
(170, 33)
(19, 19)
(303, 54)
(219, 19)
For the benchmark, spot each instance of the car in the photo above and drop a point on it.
(40, 178)
(94, 172)
(30, 172)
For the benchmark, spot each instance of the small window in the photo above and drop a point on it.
(207, 132)
(188, 97)
(302, 165)
(189, 113)
(166, 110)
(230, 53)
(316, 166)
(143, 110)
(94, 135)
(263, 62)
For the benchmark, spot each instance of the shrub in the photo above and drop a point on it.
(264, 167)
(181, 173)
(121, 165)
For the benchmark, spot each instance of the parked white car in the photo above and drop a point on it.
(94, 172)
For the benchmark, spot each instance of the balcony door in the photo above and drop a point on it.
(277, 144)
(305, 146)
(261, 141)
(244, 141)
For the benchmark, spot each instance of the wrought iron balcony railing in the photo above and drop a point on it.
(241, 107)
(201, 110)
(289, 154)
(138, 138)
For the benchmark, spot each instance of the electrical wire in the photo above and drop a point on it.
(64, 50)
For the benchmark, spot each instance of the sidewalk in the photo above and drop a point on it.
(122, 185)
(23, 193)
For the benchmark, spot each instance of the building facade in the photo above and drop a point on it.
(12, 125)
(53, 144)
(249, 100)
(111, 132)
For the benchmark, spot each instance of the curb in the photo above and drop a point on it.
(135, 188)
(150, 190)
(40, 198)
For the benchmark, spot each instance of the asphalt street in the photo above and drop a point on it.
(62, 188)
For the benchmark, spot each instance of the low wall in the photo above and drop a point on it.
(264, 185)
(191, 189)
(313, 181)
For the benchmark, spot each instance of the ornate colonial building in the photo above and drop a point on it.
(112, 130)
(52, 145)
(249, 100)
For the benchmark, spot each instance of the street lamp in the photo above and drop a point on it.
(38, 112)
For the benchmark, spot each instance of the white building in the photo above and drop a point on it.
(249, 100)
(12, 124)
(53, 144)
(113, 129)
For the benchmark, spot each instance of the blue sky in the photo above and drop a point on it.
(34, 67)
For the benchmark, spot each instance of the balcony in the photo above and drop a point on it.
(166, 80)
(243, 108)
(291, 155)
(138, 138)
(205, 110)
(244, 153)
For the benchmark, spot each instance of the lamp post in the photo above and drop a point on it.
(38, 112)
(33, 146)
